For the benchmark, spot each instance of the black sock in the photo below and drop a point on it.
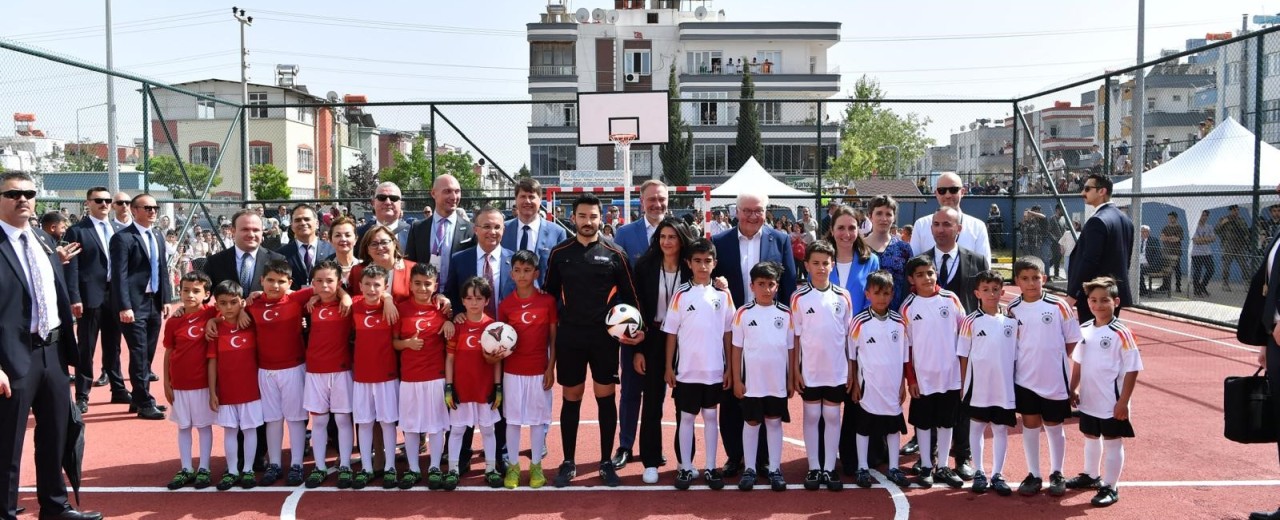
(569, 412)
(608, 412)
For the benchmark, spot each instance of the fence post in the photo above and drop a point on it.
(1013, 187)
(431, 136)
(146, 140)
(1106, 122)
(1258, 114)
(820, 155)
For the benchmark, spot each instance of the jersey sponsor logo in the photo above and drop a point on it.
(810, 311)
(981, 334)
(752, 324)
(601, 258)
(894, 336)
(525, 305)
(1104, 343)
(1008, 331)
(778, 322)
(1046, 318)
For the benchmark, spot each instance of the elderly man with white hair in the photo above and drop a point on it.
(973, 236)
(388, 210)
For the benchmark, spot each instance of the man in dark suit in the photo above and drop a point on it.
(140, 273)
(738, 250)
(1104, 248)
(435, 240)
(89, 286)
(388, 211)
(306, 248)
(36, 345)
(229, 264)
(528, 230)
(467, 262)
(1261, 302)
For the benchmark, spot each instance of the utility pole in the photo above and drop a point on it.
(113, 161)
(245, 21)
(1140, 144)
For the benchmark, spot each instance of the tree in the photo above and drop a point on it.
(165, 172)
(269, 183)
(676, 152)
(748, 143)
(524, 171)
(81, 161)
(361, 180)
(410, 172)
(876, 139)
(459, 165)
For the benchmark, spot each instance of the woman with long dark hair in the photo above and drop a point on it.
(854, 260)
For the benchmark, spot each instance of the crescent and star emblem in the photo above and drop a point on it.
(234, 339)
(421, 325)
(194, 332)
(368, 325)
(322, 316)
(471, 343)
(525, 317)
(269, 315)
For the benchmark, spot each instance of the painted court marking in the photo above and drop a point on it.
(1193, 336)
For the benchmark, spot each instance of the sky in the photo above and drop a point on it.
(432, 50)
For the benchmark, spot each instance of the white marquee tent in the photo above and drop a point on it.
(752, 178)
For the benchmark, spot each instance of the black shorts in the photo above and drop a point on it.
(693, 397)
(830, 394)
(935, 410)
(1049, 410)
(1112, 428)
(755, 409)
(993, 415)
(872, 425)
(580, 347)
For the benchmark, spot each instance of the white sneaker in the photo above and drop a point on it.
(650, 475)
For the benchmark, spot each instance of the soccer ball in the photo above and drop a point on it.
(623, 321)
(498, 339)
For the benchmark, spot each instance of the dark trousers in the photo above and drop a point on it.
(43, 390)
(731, 432)
(877, 447)
(104, 320)
(1273, 375)
(633, 388)
(1175, 263)
(142, 336)
(653, 397)
(1201, 271)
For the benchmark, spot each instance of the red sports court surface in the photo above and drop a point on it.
(1179, 466)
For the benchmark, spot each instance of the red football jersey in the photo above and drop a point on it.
(329, 344)
(188, 349)
(423, 322)
(472, 375)
(279, 328)
(532, 319)
(375, 358)
(237, 353)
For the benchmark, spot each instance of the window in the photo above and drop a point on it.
(257, 98)
(550, 160)
(641, 163)
(306, 115)
(770, 112)
(551, 59)
(973, 150)
(792, 159)
(556, 114)
(768, 62)
(1177, 98)
(652, 18)
(710, 159)
(1271, 64)
(637, 62)
(1271, 111)
(1232, 74)
(1053, 131)
(713, 112)
(205, 107)
(204, 153)
(704, 62)
(306, 159)
(259, 153)
(1151, 103)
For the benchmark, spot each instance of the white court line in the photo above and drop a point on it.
(289, 510)
(1201, 338)
(901, 507)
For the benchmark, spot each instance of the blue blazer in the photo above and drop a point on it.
(131, 268)
(1104, 248)
(857, 282)
(549, 234)
(634, 240)
(293, 253)
(86, 273)
(462, 265)
(774, 246)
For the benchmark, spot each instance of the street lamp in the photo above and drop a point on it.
(78, 150)
(897, 156)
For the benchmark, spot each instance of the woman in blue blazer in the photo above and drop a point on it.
(854, 260)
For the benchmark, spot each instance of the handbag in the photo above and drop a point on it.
(1249, 411)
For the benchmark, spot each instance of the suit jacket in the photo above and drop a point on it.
(634, 239)
(963, 282)
(774, 245)
(1104, 248)
(293, 253)
(15, 311)
(131, 268)
(463, 266)
(648, 277)
(549, 234)
(402, 232)
(222, 266)
(420, 235)
(87, 272)
(1260, 302)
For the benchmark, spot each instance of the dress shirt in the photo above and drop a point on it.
(46, 273)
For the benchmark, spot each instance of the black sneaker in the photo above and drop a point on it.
(748, 480)
(1030, 486)
(896, 476)
(609, 474)
(979, 482)
(715, 480)
(776, 482)
(435, 478)
(316, 477)
(450, 481)
(362, 479)
(410, 479)
(390, 480)
(493, 479)
(202, 479)
(813, 480)
(684, 479)
(181, 479)
(228, 481)
(1106, 496)
(270, 475)
(1002, 488)
(944, 475)
(1084, 481)
(925, 478)
(294, 478)
(1057, 484)
(345, 477)
(247, 481)
(863, 478)
(832, 480)
(568, 470)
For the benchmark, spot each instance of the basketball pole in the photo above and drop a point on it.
(625, 144)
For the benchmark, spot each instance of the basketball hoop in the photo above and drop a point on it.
(623, 140)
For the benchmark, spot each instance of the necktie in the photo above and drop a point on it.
(154, 284)
(246, 273)
(106, 246)
(493, 283)
(524, 239)
(306, 260)
(37, 288)
(439, 247)
(946, 272)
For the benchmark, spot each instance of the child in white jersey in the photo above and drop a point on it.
(1102, 382)
(1047, 332)
(879, 359)
(762, 341)
(987, 349)
(820, 313)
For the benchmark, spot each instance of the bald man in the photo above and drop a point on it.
(973, 236)
(436, 239)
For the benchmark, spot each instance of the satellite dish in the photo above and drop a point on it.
(597, 14)
(332, 96)
(612, 16)
(582, 15)
(700, 13)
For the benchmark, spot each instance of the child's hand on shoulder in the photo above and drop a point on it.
(447, 330)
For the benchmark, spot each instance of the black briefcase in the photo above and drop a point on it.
(1249, 412)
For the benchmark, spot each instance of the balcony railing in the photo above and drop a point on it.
(756, 69)
(552, 70)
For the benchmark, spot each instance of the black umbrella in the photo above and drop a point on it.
(73, 451)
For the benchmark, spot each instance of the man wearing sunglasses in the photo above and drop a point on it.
(388, 210)
(1104, 247)
(120, 210)
(973, 235)
(89, 286)
(140, 273)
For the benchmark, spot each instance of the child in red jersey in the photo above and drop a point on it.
(375, 392)
(233, 385)
(186, 378)
(420, 338)
(327, 388)
(277, 317)
(529, 371)
(473, 386)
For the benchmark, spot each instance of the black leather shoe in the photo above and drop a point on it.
(82, 405)
(1265, 515)
(20, 510)
(134, 409)
(121, 399)
(100, 381)
(964, 470)
(150, 413)
(731, 468)
(70, 513)
(153, 377)
(910, 448)
(621, 458)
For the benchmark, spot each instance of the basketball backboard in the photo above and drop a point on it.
(601, 114)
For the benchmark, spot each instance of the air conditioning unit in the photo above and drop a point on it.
(633, 78)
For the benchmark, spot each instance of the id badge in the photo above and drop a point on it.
(435, 261)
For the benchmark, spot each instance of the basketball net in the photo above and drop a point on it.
(623, 142)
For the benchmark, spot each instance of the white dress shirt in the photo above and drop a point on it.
(749, 256)
(104, 230)
(535, 226)
(952, 262)
(46, 273)
(494, 264)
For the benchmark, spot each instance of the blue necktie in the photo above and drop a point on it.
(154, 285)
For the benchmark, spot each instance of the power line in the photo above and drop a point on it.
(388, 25)
(135, 31)
(1028, 34)
(98, 29)
(376, 60)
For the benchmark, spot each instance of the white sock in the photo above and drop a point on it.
(388, 445)
(711, 435)
(999, 445)
(812, 411)
(513, 443)
(894, 440)
(686, 440)
(1031, 445)
(944, 446)
(862, 441)
(412, 441)
(924, 438)
(1092, 456)
(455, 445)
(250, 447)
(1057, 446)
(206, 446)
(184, 448)
(275, 441)
(977, 429)
(490, 442)
(320, 439)
(346, 438)
(229, 446)
(831, 441)
(750, 441)
(773, 436)
(1112, 461)
(435, 443)
(297, 441)
(537, 442)
(366, 446)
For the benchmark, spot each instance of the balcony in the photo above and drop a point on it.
(707, 79)
(552, 70)
(810, 31)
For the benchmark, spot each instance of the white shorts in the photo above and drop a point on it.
(327, 393)
(474, 414)
(282, 393)
(375, 402)
(243, 416)
(422, 408)
(524, 402)
(191, 409)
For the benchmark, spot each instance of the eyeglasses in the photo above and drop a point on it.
(147, 208)
(121, 202)
(100, 201)
(384, 198)
(948, 190)
(16, 194)
(1088, 187)
(751, 211)
(380, 243)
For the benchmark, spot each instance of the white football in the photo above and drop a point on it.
(498, 339)
(623, 321)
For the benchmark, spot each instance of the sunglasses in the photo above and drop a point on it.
(148, 208)
(100, 201)
(121, 202)
(16, 194)
(948, 190)
(384, 198)
(1088, 187)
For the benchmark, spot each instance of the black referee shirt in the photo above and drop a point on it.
(588, 280)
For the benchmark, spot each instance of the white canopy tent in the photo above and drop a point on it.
(752, 178)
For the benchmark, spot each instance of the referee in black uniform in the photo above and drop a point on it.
(588, 274)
